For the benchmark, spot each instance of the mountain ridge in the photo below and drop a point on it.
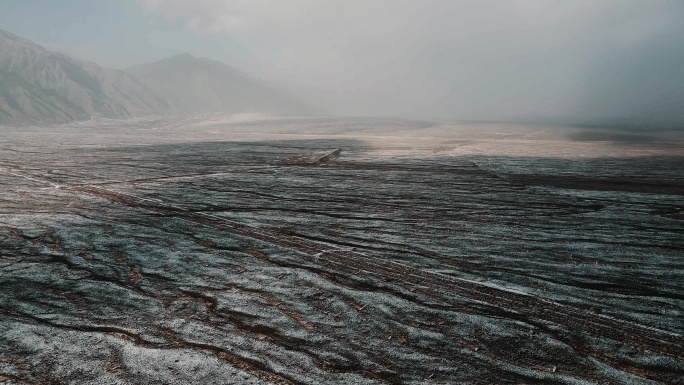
(196, 84)
(41, 86)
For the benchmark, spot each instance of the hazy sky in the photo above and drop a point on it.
(474, 59)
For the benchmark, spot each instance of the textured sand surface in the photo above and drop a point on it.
(213, 251)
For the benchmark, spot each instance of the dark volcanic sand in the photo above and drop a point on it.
(166, 254)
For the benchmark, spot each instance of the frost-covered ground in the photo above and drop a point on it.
(209, 251)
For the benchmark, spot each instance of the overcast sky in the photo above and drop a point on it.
(575, 60)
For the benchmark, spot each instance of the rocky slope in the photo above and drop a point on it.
(40, 86)
(37, 85)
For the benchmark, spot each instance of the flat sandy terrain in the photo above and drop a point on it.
(231, 250)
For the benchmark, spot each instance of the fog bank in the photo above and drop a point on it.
(454, 59)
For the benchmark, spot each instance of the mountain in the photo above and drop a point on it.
(37, 85)
(193, 85)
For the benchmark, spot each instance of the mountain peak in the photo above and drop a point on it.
(204, 85)
(38, 85)
(183, 57)
(186, 59)
(187, 63)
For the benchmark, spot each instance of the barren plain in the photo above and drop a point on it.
(232, 250)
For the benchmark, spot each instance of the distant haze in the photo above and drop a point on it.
(526, 60)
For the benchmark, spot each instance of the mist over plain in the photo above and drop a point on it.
(527, 60)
